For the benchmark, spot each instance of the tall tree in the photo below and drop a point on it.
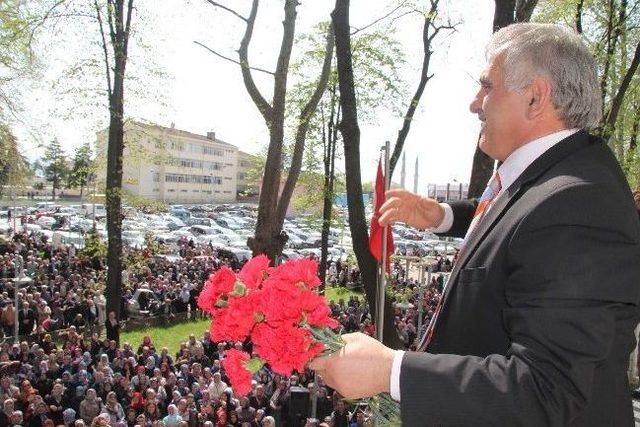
(14, 168)
(82, 169)
(274, 199)
(506, 13)
(378, 85)
(350, 132)
(115, 46)
(56, 169)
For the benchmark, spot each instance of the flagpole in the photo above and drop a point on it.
(383, 279)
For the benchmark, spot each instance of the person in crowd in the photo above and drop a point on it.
(90, 407)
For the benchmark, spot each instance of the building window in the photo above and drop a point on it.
(241, 175)
(156, 177)
(227, 192)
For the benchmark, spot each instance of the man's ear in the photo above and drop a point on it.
(538, 97)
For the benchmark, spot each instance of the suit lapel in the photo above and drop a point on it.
(542, 164)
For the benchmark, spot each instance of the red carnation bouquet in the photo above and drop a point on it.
(279, 310)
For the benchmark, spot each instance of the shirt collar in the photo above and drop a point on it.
(521, 158)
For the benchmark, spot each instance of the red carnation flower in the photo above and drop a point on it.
(284, 303)
(239, 376)
(303, 270)
(254, 271)
(321, 316)
(235, 321)
(286, 348)
(219, 283)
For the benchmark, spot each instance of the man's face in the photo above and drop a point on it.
(501, 111)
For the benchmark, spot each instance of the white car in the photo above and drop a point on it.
(133, 239)
(46, 222)
(67, 238)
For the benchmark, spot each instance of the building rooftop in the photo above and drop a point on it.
(210, 137)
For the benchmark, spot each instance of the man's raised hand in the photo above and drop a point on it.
(412, 209)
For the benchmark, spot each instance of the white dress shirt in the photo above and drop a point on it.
(509, 171)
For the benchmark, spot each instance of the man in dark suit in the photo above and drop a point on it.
(537, 319)
(27, 318)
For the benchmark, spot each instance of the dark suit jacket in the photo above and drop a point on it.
(539, 311)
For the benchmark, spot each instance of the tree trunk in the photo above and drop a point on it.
(610, 119)
(633, 138)
(504, 14)
(115, 148)
(329, 158)
(269, 238)
(579, 8)
(350, 131)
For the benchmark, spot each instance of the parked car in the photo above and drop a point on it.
(46, 221)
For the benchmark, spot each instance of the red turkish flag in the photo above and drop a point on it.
(375, 234)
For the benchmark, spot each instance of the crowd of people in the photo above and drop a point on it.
(76, 377)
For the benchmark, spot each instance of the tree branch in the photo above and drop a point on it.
(232, 60)
(233, 12)
(104, 47)
(282, 66)
(303, 126)
(127, 27)
(263, 106)
(41, 21)
(357, 30)
(427, 40)
(112, 30)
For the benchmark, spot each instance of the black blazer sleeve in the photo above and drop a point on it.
(463, 211)
(573, 281)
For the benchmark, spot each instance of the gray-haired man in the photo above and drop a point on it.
(537, 319)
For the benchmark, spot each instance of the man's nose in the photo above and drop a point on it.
(476, 104)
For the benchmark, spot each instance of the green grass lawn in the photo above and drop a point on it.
(167, 336)
(171, 336)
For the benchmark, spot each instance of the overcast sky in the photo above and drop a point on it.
(200, 92)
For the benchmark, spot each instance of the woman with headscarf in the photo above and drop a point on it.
(57, 403)
(113, 408)
(173, 419)
(90, 407)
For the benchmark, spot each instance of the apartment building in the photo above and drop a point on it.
(176, 166)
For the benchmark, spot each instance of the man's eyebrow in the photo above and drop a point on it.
(484, 81)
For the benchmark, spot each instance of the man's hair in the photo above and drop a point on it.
(558, 54)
